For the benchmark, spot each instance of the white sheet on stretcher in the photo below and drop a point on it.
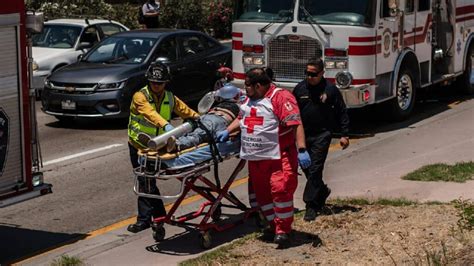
(203, 154)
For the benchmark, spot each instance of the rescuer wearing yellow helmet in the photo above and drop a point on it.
(150, 113)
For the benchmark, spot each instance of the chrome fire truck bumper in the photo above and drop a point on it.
(359, 95)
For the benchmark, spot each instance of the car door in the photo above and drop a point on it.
(167, 51)
(194, 73)
(90, 35)
(387, 31)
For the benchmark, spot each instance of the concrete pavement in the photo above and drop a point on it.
(370, 168)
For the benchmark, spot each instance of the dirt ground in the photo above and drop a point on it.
(366, 235)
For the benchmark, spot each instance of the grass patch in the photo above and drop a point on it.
(460, 172)
(221, 252)
(381, 201)
(466, 213)
(65, 260)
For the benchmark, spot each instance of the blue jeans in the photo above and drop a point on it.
(212, 122)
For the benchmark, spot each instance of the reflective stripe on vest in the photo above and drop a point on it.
(137, 122)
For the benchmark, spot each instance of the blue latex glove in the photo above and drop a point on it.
(304, 159)
(222, 136)
(168, 127)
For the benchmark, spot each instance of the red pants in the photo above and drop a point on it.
(274, 183)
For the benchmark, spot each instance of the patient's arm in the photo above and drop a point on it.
(234, 127)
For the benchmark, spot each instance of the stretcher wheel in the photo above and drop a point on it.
(159, 233)
(205, 239)
(216, 215)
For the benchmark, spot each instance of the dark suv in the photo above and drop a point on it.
(102, 82)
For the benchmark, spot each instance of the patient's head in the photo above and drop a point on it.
(228, 92)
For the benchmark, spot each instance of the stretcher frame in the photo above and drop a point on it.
(188, 177)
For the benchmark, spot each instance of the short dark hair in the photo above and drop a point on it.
(258, 75)
(317, 62)
(269, 72)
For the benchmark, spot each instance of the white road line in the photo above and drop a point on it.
(69, 157)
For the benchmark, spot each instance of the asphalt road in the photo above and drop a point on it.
(88, 165)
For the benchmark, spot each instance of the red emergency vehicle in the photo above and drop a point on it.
(374, 50)
(20, 176)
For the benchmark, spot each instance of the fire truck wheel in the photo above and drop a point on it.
(402, 105)
(464, 81)
(65, 119)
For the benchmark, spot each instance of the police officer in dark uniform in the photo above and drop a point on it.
(322, 111)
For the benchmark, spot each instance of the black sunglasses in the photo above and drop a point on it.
(312, 74)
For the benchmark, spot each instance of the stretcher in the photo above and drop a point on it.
(189, 167)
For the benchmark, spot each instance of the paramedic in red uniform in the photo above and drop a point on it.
(270, 125)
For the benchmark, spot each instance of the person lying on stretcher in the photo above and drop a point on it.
(224, 110)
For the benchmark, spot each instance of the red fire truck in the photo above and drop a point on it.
(20, 176)
(374, 50)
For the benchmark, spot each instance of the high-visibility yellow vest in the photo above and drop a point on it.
(137, 122)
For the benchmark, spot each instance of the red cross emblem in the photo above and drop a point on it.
(253, 120)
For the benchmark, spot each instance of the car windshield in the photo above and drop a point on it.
(121, 50)
(265, 10)
(57, 36)
(342, 12)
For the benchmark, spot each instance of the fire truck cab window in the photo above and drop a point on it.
(423, 5)
(264, 10)
(340, 12)
(385, 10)
(409, 6)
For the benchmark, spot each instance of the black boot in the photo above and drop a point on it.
(137, 227)
(283, 240)
(324, 196)
(311, 213)
(268, 234)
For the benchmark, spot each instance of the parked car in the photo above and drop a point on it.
(63, 40)
(103, 82)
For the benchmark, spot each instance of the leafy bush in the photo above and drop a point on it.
(211, 16)
(183, 14)
(77, 8)
(127, 14)
(220, 18)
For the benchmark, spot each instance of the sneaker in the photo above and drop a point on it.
(310, 214)
(137, 227)
(283, 240)
(171, 144)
